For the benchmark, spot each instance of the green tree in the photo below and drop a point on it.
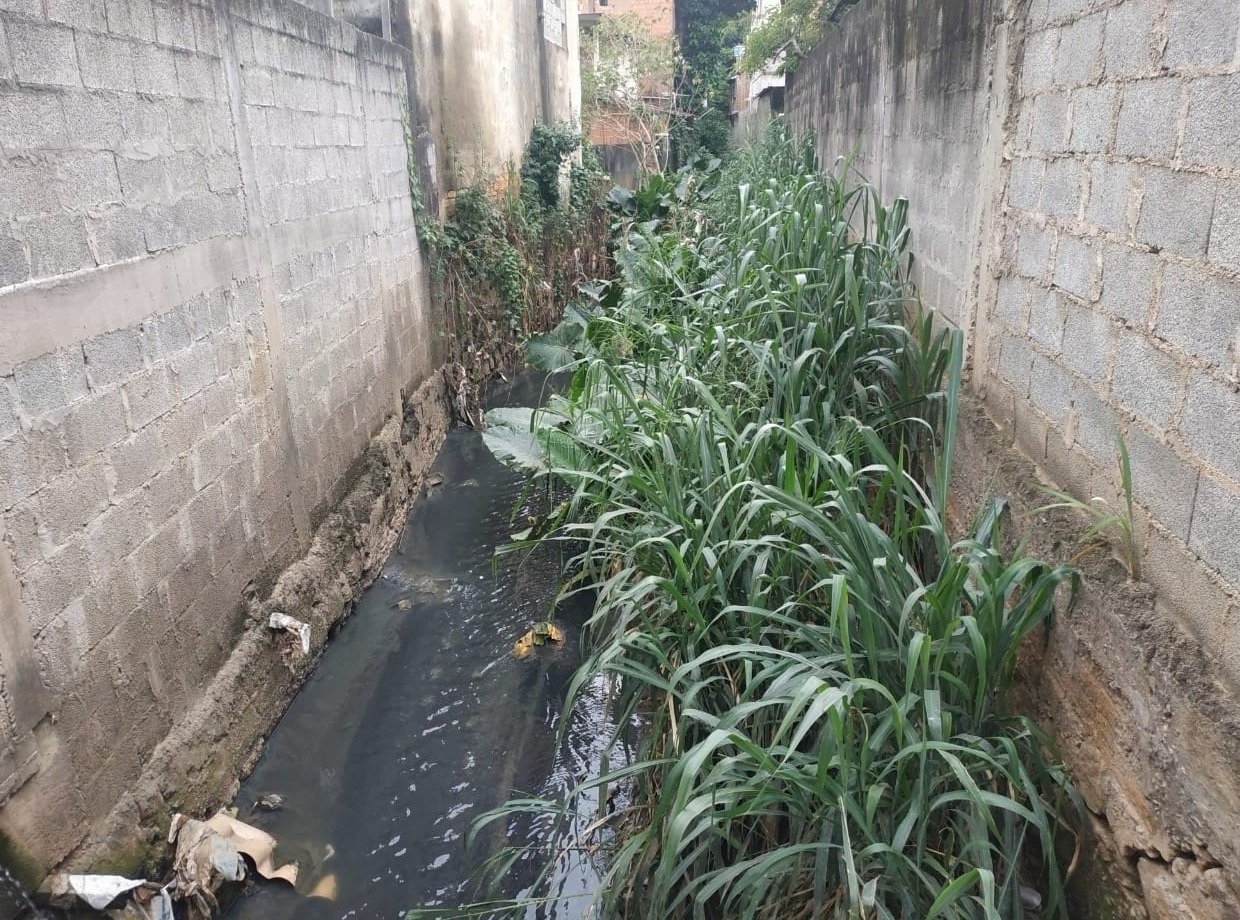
(786, 36)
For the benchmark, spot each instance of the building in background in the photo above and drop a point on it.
(628, 83)
(757, 97)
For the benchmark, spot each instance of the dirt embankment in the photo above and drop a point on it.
(1141, 718)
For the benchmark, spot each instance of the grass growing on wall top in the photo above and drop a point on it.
(757, 440)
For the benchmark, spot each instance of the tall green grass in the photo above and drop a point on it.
(757, 440)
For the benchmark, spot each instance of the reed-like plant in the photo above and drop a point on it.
(757, 440)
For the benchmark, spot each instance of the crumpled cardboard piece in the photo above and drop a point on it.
(208, 853)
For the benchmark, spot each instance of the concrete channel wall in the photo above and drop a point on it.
(212, 307)
(1074, 185)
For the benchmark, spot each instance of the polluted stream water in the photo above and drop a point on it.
(420, 718)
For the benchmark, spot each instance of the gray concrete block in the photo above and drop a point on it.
(80, 14)
(113, 357)
(43, 55)
(14, 262)
(1015, 362)
(1110, 185)
(97, 119)
(31, 121)
(164, 227)
(1213, 122)
(131, 18)
(111, 537)
(1087, 339)
(1209, 427)
(55, 583)
(27, 461)
(1200, 33)
(105, 62)
(45, 384)
(1216, 521)
(1224, 248)
(116, 235)
(1129, 28)
(1149, 118)
(57, 245)
(1079, 56)
(211, 457)
(71, 501)
(143, 181)
(192, 370)
(149, 395)
(172, 332)
(1078, 264)
(1163, 481)
(1050, 126)
(1146, 380)
(168, 491)
(1176, 211)
(1050, 389)
(154, 70)
(1046, 318)
(1061, 189)
(10, 423)
(1199, 313)
(85, 180)
(138, 460)
(1094, 425)
(195, 76)
(1093, 109)
(27, 189)
(173, 24)
(93, 425)
(1128, 282)
(1033, 250)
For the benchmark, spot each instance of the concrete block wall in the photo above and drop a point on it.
(211, 298)
(1073, 179)
(1118, 305)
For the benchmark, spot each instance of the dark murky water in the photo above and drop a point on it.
(419, 718)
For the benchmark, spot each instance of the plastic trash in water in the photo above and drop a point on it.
(97, 891)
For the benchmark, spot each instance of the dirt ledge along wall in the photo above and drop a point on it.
(217, 365)
(1074, 184)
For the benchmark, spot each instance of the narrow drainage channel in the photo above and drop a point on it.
(419, 718)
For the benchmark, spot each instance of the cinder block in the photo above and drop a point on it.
(116, 235)
(1050, 389)
(1050, 125)
(1011, 303)
(113, 357)
(1093, 110)
(80, 14)
(31, 121)
(154, 70)
(14, 262)
(105, 62)
(1087, 342)
(1128, 282)
(193, 369)
(27, 189)
(1225, 226)
(149, 395)
(49, 382)
(1061, 189)
(50, 586)
(1176, 211)
(211, 457)
(195, 76)
(1200, 33)
(1163, 481)
(1094, 426)
(97, 119)
(157, 557)
(1015, 362)
(43, 55)
(163, 227)
(169, 490)
(85, 180)
(1199, 313)
(93, 425)
(143, 181)
(26, 462)
(1129, 28)
(1213, 122)
(1079, 56)
(1077, 266)
(138, 459)
(71, 501)
(1209, 424)
(10, 423)
(1149, 118)
(173, 24)
(1216, 521)
(1146, 380)
(1109, 187)
(131, 18)
(57, 244)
